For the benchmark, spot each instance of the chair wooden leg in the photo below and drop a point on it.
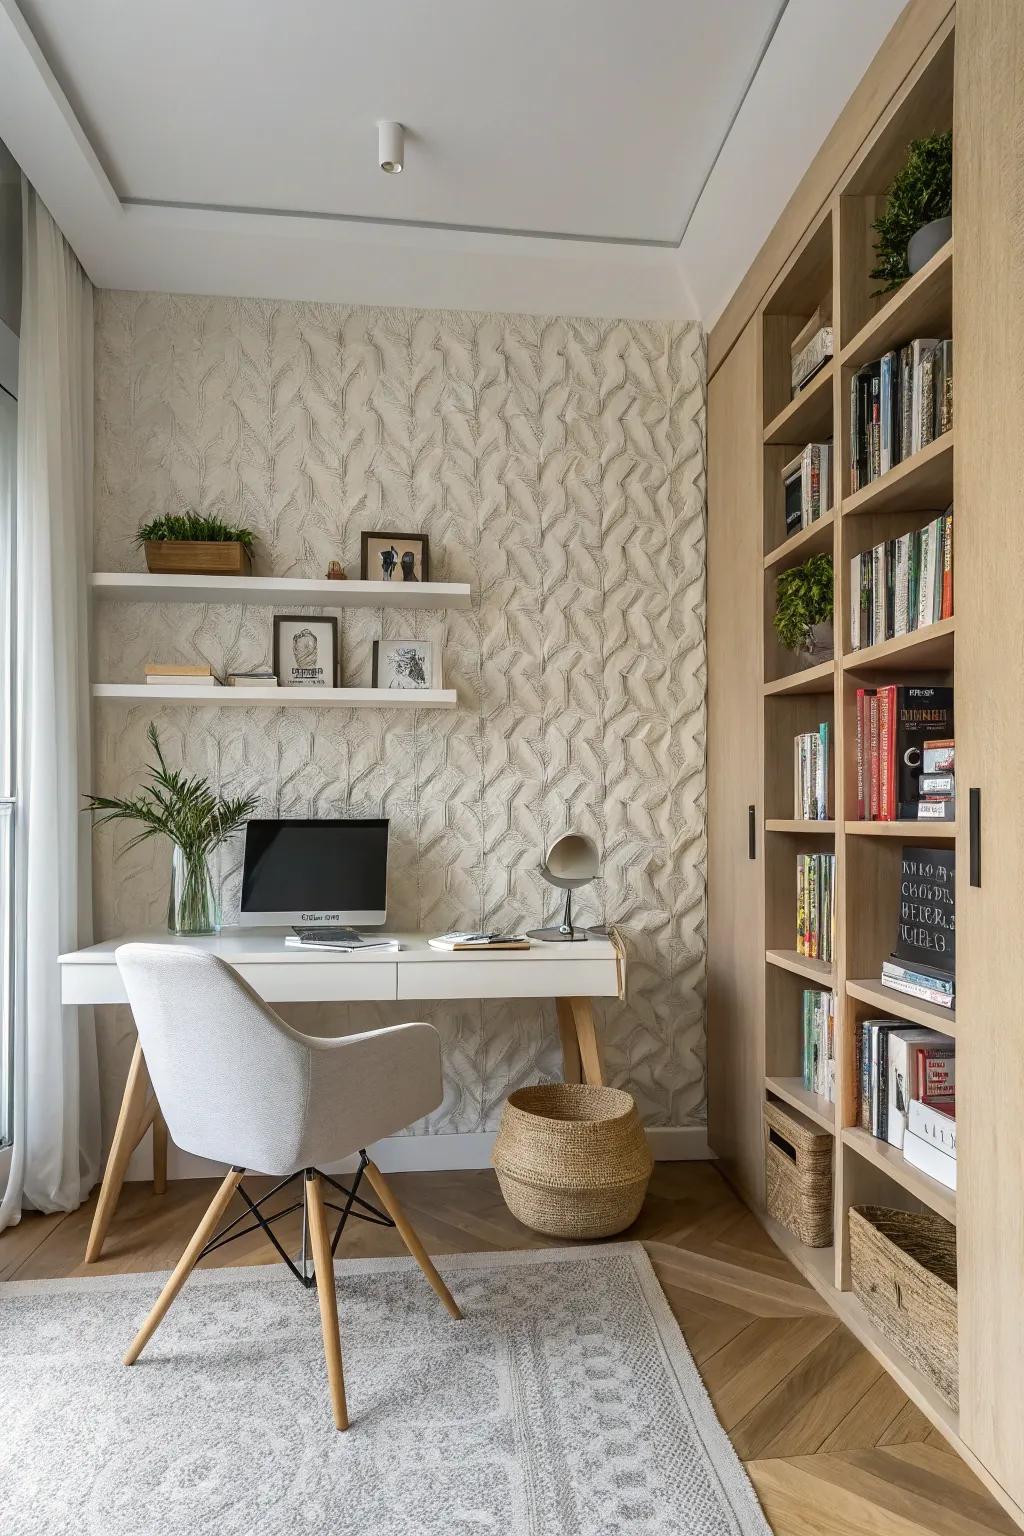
(159, 1154)
(126, 1138)
(323, 1265)
(205, 1230)
(408, 1236)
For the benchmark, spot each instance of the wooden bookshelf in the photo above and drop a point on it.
(929, 649)
(920, 308)
(884, 1000)
(805, 828)
(817, 972)
(791, 1091)
(906, 831)
(817, 679)
(893, 1164)
(924, 481)
(808, 418)
(817, 539)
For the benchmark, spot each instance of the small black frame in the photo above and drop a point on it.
(308, 622)
(378, 536)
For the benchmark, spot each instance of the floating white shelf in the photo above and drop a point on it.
(281, 698)
(277, 591)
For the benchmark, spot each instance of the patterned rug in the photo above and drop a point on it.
(564, 1404)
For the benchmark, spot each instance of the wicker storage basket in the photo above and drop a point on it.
(572, 1160)
(903, 1266)
(798, 1175)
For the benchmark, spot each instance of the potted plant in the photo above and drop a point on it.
(196, 821)
(192, 544)
(917, 220)
(804, 606)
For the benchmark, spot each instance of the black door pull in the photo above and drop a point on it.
(974, 833)
(751, 833)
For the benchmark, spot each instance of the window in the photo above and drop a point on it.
(10, 319)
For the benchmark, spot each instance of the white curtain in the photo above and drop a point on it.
(56, 1091)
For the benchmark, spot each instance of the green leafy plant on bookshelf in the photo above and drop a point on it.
(921, 193)
(194, 527)
(804, 603)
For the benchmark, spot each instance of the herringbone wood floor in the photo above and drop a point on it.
(834, 1448)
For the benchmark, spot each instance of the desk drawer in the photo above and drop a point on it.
(517, 976)
(322, 982)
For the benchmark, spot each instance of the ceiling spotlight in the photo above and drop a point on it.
(390, 147)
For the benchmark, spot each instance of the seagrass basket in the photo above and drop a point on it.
(903, 1267)
(572, 1160)
(798, 1175)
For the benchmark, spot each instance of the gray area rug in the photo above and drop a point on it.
(566, 1403)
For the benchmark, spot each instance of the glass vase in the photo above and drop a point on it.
(193, 907)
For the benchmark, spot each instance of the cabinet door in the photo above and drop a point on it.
(989, 682)
(735, 884)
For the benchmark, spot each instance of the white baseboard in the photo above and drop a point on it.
(418, 1154)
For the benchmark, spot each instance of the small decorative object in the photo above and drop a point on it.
(917, 220)
(305, 651)
(572, 1160)
(190, 544)
(405, 664)
(395, 557)
(798, 1175)
(804, 607)
(196, 821)
(336, 571)
(571, 861)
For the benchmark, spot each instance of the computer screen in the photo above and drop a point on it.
(307, 872)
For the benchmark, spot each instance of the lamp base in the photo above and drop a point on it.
(558, 935)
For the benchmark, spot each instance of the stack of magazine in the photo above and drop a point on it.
(474, 939)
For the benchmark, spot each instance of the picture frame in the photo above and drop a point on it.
(396, 557)
(406, 664)
(305, 651)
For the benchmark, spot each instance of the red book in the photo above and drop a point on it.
(892, 808)
(861, 795)
(873, 758)
(936, 1073)
(947, 567)
(884, 747)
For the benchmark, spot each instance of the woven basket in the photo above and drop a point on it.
(903, 1266)
(798, 1175)
(572, 1160)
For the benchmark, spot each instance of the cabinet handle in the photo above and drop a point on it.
(974, 833)
(751, 833)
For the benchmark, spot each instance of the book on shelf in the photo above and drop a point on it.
(930, 985)
(929, 1159)
(815, 905)
(898, 728)
(899, 403)
(902, 585)
(926, 926)
(934, 1120)
(811, 357)
(819, 1056)
(265, 679)
(811, 752)
(807, 482)
(159, 673)
(898, 1063)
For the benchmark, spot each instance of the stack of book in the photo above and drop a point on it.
(899, 1065)
(930, 1139)
(937, 784)
(898, 405)
(810, 774)
(259, 679)
(902, 585)
(899, 729)
(819, 1075)
(472, 939)
(928, 983)
(815, 905)
(807, 486)
(811, 347)
(162, 673)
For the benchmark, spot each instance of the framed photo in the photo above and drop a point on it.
(406, 664)
(305, 651)
(395, 557)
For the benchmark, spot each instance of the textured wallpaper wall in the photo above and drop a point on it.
(558, 466)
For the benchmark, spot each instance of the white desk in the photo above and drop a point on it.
(571, 974)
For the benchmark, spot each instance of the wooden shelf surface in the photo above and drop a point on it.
(931, 648)
(892, 1162)
(922, 483)
(913, 1009)
(281, 698)
(792, 1091)
(808, 418)
(810, 828)
(922, 307)
(819, 679)
(276, 591)
(818, 972)
(816, 539)
(910, 831)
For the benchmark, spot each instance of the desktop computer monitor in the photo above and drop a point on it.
(305, 873)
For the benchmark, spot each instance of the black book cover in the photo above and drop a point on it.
(890, 588)
(927, 915)
(922, 714)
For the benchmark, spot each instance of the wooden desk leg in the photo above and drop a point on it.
(126, 1137)
(586, 1035)
(571, 1068)
(159, 1153)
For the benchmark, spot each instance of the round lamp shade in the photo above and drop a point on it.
(571, 861)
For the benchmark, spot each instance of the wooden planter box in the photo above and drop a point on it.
(190, 557)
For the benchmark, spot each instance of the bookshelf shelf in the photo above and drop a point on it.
(816, 539)
(891, 1161)
(819, 972)
(910, 1008)
(922, 307)
(804, 828)
(922, 483)
(818, 679)
(930, 648)
(908, 831)
(792, 1091)
(806, 418)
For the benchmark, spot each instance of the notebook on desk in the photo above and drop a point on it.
(475, 941)
(343, 940)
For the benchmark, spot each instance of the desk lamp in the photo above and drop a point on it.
(571, 861)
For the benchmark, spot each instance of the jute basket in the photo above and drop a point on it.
(798, 1175)
(572, 1160)
(903, 1267)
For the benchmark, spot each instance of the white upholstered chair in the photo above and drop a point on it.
(237, 1084)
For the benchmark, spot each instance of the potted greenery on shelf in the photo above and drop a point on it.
(195, 820)
(917, 220)
(804, 605)
(191, 544)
